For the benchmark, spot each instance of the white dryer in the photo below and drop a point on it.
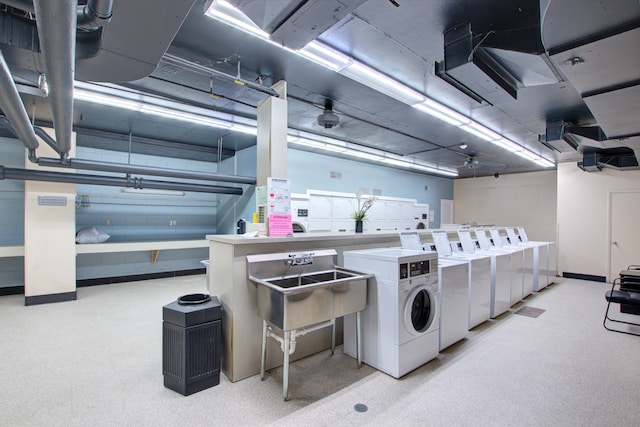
(544, 260)
(453, 280)
(453, 284)
(517, 266)
(400, 325)
(501, 272)
(479, 297)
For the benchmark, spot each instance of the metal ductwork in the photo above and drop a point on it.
(620, 158)
(294, 23)
(131, 182)
(57, 31)
(12, 106)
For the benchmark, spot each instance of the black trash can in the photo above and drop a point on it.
(191, 343)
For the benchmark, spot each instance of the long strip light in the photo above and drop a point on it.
(353, 150)
(134, 101)
(337, 61)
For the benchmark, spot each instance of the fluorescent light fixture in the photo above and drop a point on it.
(366, 156)
(119, 98)
(382, 83)
(507, 144)
(249, 130)
(438, 115)
(186, 117)
(477, 133)
(152, 191)
(325, 56)
(108, 100)
(485, 131)
(336, 61)
(545, 163)
(223, 11)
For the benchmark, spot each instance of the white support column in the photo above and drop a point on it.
(272, 136)
(49, 235)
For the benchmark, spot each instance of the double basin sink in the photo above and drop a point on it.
(292, 294)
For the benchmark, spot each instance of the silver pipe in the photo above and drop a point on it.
(132, 182)
(46, 138)
(144, 170)
(183, 63)
(56, 22)
(14, 109)
(95, 14)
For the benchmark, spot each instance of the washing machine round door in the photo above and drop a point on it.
(419, 310)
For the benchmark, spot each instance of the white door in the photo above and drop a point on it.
(446, 212)
(625, 231)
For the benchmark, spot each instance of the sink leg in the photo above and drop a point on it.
(263, 355)
(333, 337)
(285, 367)
(358, 342)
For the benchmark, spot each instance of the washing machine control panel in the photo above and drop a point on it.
(414, 269)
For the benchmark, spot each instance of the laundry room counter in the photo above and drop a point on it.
(227, 279)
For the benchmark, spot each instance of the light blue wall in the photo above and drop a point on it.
(135, 217)
(309, 170)
(11, 212)
(140, 217)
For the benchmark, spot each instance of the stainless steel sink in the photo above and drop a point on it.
(300, 293)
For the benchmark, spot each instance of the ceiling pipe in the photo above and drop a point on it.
(91, 16)
(201, 69)
(95, 14)
(14, 109)
(56, 23)
(144, 170)
(131, 182)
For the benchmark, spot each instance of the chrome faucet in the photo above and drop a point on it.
(299, 259)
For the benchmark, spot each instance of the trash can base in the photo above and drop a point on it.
(178, 384)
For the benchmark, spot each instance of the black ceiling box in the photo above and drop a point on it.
(471, 66)
(191, 343)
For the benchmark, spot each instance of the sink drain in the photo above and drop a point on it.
(360, 407)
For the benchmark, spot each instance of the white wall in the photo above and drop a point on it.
(583, 212)
(525, 199)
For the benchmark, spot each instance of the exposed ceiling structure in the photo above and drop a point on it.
(559, 78)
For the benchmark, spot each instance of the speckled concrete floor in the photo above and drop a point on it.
(97, 361)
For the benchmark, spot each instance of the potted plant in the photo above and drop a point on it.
(360, 214)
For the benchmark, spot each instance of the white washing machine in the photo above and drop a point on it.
(479, 297)
(517, 266)
(529, 264)
(544, 260)
(453, 280)
(501, 272)
(400, 325)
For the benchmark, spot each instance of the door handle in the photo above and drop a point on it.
(614, 243)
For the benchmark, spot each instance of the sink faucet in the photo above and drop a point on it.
(299, 259)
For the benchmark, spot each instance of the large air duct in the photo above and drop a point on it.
(12, 106)
(57, 31)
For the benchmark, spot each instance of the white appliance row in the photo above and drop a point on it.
(423, 300)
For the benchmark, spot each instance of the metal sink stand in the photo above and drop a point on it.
(288, 346)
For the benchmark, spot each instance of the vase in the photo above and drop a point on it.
(358, 226)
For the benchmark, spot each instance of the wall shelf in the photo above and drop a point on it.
(153, 246)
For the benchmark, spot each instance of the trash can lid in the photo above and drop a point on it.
(193, 299)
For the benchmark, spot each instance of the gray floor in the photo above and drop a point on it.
(97, 361)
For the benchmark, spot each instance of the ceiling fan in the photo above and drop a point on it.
(328, 119)
(474, 162)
